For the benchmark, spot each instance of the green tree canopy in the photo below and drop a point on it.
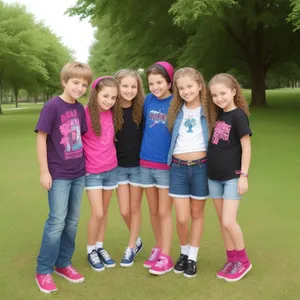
(30, 54)
(212, 35)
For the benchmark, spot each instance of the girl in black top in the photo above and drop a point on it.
(128, 128)
(229, 155)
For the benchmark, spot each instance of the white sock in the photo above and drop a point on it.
(185, 249)
(99, 245)
(138, 241)
(193, 253)
(90, 248)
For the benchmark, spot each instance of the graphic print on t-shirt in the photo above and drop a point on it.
(157, 117)
(71, 134)
(189, 123)
(221, 132)
(107, 134)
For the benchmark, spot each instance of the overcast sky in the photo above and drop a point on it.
(75, 34)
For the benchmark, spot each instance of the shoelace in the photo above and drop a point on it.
(162, 262)
(227, 266)
(235, 267)
(47, 279)
(153, 254)
(71, 270)
(95, 258)
(105, 254)
(127, 253)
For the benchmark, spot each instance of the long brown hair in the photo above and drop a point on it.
(177, 101)
(93, 103)
(239, 99)
(137, 102)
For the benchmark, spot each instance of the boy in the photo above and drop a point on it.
(62, 172)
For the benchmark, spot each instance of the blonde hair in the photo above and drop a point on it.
(76, 70)
(137, 102)
(177, 101)
(93, 106)
(239, 99)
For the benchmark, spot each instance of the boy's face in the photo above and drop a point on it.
(75, 87)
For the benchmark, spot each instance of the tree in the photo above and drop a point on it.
(30, 54)
(215, 36)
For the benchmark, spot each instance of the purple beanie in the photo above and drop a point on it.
(96, 81)
(167, 67)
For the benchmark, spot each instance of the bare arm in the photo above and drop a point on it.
(246, 158)
(41, 147)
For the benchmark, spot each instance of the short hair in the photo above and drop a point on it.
(76, 70)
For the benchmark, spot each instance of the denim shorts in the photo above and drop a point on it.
(106, 180)
(154, 178)
(227, 189)
(130, 176)
(189, 181)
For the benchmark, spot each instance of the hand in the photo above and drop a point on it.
(242, 185)
(46, 180)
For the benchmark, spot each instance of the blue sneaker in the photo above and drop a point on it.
(95, 262)
(105, 258)
(138, 248)
(128, 258)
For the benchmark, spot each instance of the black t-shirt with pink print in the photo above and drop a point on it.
(224, 150)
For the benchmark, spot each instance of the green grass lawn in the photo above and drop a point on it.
(269, 217)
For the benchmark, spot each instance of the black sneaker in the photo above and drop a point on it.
(190, 269)
(181, 264)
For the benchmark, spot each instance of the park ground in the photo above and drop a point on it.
(269, 216)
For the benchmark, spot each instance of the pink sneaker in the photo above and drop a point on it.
(155, 252)
(45, 283)
(238, 271)
(226, 269)
(70, 274)
(162, 266)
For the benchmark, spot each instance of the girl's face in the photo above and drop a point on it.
(159, 86)
(128, 88)
(107, 97)
(189, 90)
(223, 96)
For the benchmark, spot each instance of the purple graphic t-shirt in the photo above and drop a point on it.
(64, 123)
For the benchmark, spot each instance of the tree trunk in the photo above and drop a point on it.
(258, 85)
(1, 113)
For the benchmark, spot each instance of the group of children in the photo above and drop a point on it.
(182, 143)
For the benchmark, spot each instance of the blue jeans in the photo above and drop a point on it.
(58, 243)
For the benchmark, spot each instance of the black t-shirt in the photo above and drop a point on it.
(129, 140)
(224, 150)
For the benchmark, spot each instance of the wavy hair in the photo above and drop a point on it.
(137, 102)
(239, 99)
(177, 102)
(93, 103)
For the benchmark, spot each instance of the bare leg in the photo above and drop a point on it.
(106, 199)
(123, 195)
(95, 199)
(228, 242)
(230, 209)
(152, 197)
(183, 215)
(166, 221)
(136, 194)
(197, 212)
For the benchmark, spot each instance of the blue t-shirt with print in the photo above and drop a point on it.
(156, 138)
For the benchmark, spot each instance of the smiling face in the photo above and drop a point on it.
(189, 90)
(158, 86)
(223, 96)
(128, 88)
(107, 97)
(74, 88)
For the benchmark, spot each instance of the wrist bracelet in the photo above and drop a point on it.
(241, 173)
